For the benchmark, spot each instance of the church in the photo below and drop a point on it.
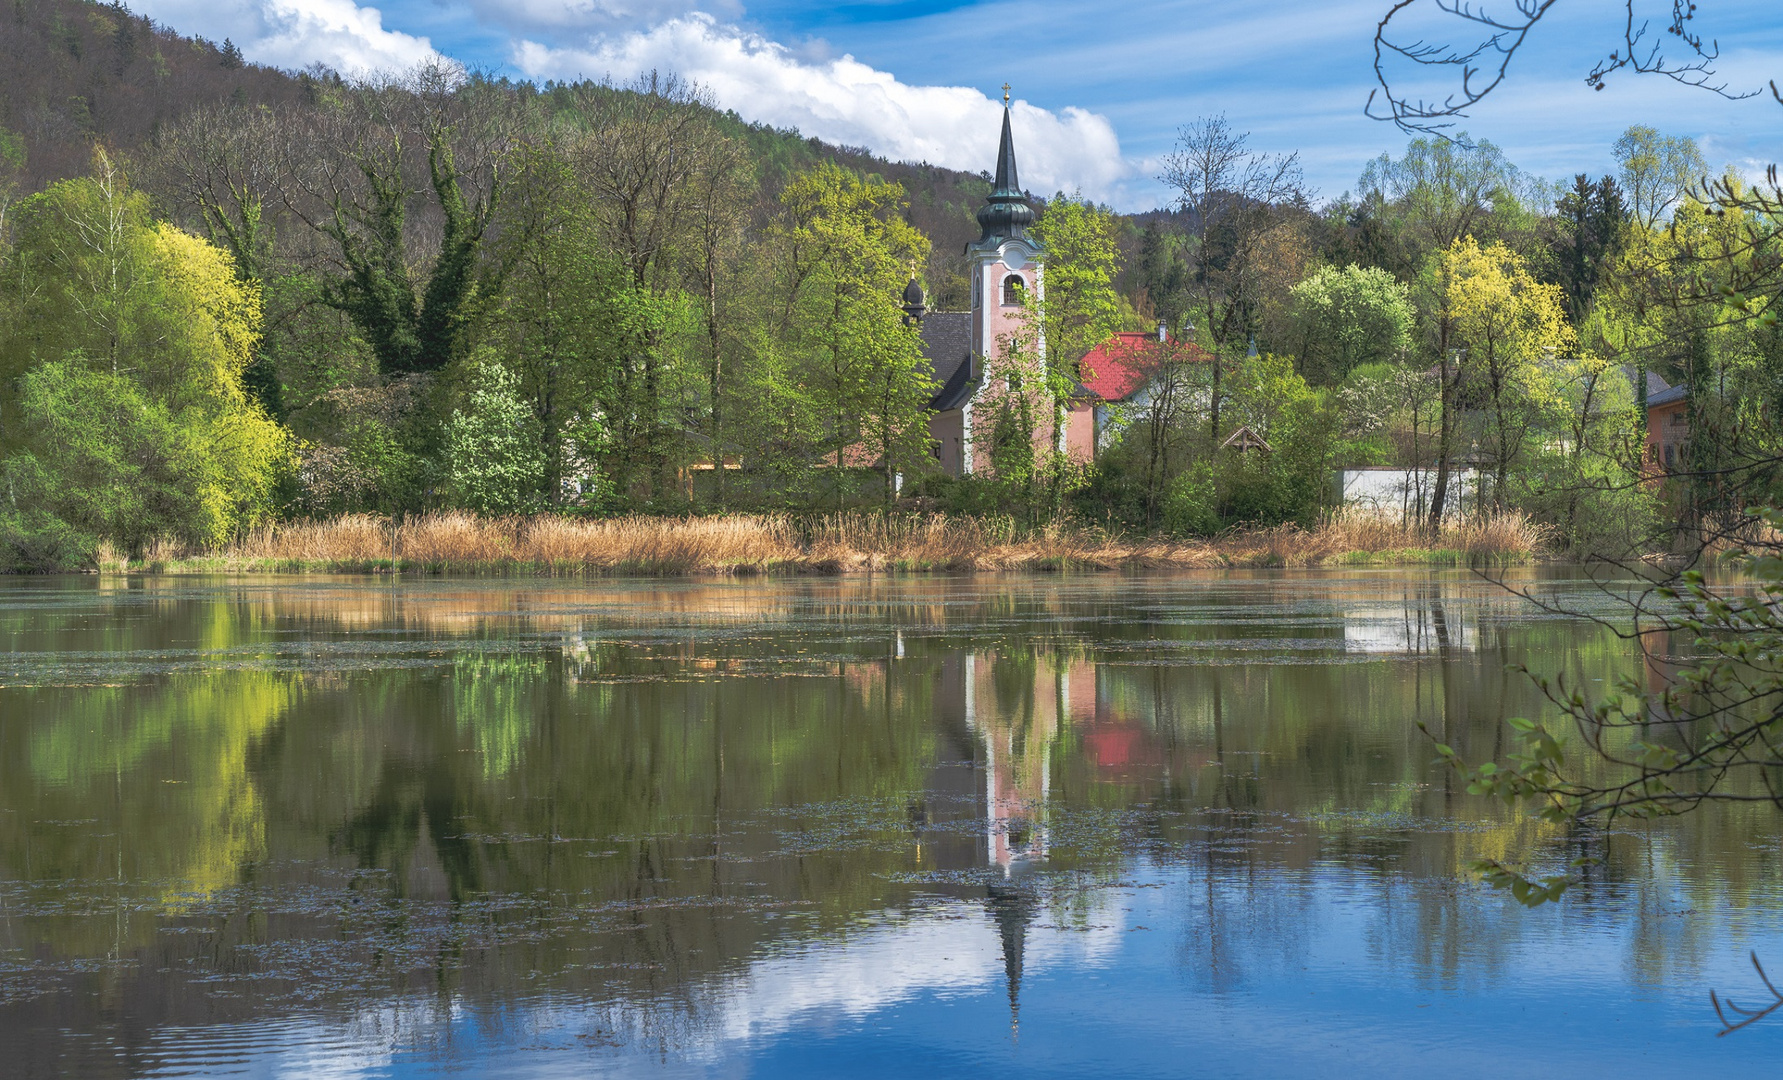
(1007, 265)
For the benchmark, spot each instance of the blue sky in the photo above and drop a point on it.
(1101, 90)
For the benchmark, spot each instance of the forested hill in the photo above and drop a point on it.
(73, 72)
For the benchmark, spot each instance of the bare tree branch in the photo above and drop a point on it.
(1485, 64)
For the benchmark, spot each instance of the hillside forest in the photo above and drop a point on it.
(231, 295)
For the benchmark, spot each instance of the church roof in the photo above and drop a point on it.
(947, 346)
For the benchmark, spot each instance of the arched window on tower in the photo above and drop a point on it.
(1013, 287)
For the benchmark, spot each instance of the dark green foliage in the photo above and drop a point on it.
(1162, 272)
(375, 292)
(1593, 220)
(451, 288)
(34, 542)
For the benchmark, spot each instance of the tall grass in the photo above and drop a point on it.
(833, 543)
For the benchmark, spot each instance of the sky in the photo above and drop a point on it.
(1100, 91)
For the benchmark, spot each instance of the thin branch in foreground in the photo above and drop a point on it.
(1748, 1016)
(1485, 64)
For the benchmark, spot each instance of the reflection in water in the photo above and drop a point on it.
(771, 827)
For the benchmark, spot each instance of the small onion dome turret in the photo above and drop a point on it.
(914, 305)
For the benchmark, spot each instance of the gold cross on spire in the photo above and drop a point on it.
(1005, 93)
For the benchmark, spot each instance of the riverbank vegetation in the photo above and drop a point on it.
(272, 306)
(457, 542)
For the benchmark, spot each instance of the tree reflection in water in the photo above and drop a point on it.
(708, 813)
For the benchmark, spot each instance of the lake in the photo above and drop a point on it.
(1061, 826)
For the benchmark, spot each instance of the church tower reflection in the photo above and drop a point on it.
(1012, 706)
(1006, 721)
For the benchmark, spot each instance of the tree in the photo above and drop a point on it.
(723, 190)
(1167, 371)
(1593, 220)
(1077, 308)
(845, 251)
(493, 459)
(563, 316)
(350, 171)
(1512, 330)
(1657, 171)
(1287, 482)
(639, 152)
(218, 165)
(1440, 190)
(130, 420)
(1231, 197)
(1162, 272)
(1345, 318)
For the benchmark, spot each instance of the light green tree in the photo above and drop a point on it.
(494, 463)
(1657, 171)
(1076, 309)
(126, 418)
(1345, 318)
(845, 252)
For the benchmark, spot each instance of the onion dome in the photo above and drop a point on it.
(913, 301)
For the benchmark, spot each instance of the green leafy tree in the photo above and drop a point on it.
(493, 459)
(846, 250)
(127, 349)
(1657, 172)
(1076, 310)
(1345, 318)
(1512, 331)
(563, 318)
(1441, 190)
(1289, 481)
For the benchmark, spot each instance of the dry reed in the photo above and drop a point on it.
(835, 543)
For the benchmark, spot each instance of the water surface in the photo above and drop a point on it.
(1077, 826)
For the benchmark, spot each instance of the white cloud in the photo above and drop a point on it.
(339, 33)
(296, 33)
(846, 101)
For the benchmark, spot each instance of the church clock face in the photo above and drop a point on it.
(1013, 258)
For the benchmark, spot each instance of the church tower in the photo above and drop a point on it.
(1006, 265)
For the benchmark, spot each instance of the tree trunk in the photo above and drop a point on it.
(1444, 446)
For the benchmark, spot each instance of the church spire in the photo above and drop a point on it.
(1006, 213)
(1013, 908)
(1006, 183)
